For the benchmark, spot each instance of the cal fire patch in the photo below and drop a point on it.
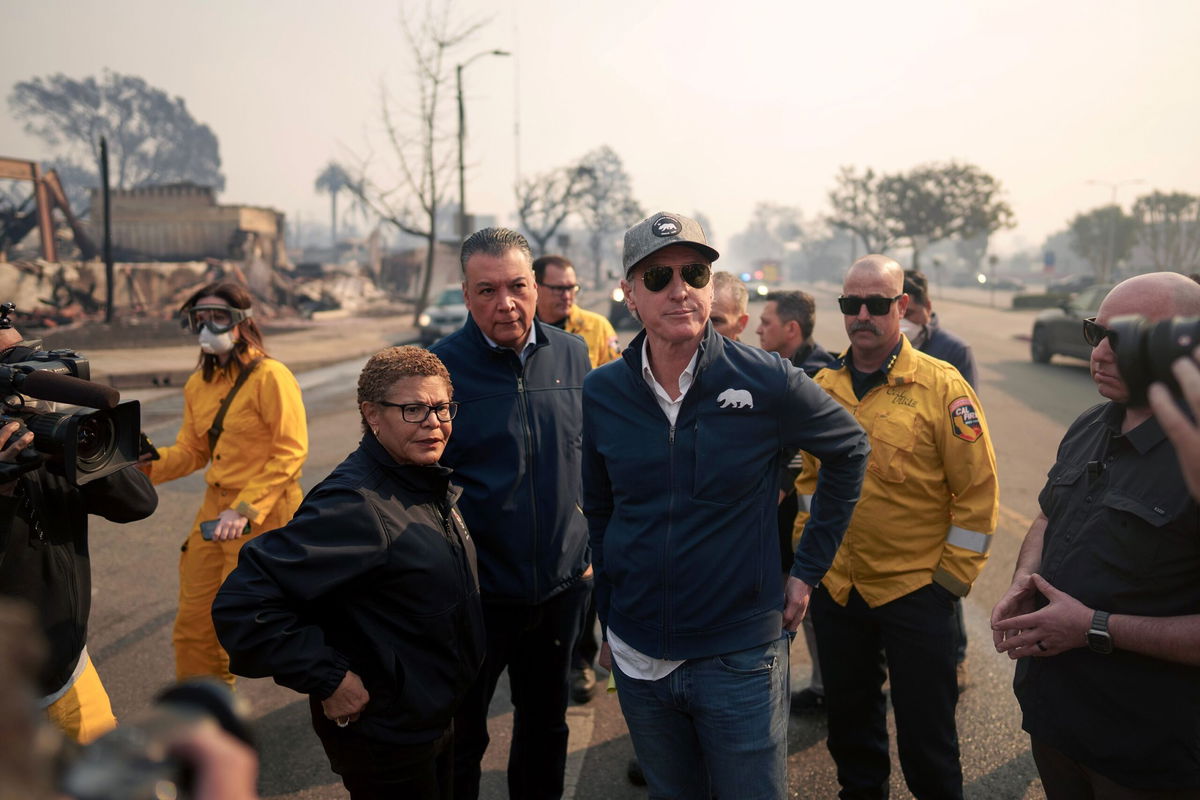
(964, 420)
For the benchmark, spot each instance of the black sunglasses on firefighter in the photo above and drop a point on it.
(658, 277)
(1094, 333)
(876, 306)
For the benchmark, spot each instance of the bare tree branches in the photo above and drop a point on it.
(411, 194)
(546, 201)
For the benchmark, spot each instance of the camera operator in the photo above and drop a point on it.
(44, 560)
(1102, 607)
(1182, 431)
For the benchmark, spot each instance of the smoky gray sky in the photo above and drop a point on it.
(714, 106)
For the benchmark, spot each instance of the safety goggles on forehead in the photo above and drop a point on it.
(658, 277)
(876, 306)
(217, 318)
(1094, 333)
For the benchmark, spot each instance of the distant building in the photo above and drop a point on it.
(182, 222)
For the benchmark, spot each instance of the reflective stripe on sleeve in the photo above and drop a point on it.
(805, 501)
(968, 540)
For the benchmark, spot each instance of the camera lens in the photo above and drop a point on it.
(94, 442)
(1146, 350)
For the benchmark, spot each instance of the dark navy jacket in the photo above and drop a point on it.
(943, 344)
(375, 574)
(515, 453)
(683, 519)
(812, 358)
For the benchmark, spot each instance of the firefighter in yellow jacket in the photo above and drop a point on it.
(918, 539)
(253, 473)
(557, 289)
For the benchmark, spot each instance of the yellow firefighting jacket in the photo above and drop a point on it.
(262, 447)
(930, 496)
(597, 332)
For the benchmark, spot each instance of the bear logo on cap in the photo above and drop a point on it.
(666, 226)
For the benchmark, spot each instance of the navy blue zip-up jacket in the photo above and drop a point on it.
(683, 519)
(515, 452)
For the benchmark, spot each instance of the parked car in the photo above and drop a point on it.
(445, 315)
(1059, 331)
(1006, 284)
(1068, 284)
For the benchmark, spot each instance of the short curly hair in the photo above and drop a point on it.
(386, 367)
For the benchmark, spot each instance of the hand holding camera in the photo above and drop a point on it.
(1182, 431)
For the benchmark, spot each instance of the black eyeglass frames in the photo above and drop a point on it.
(417, 413)
(570, 289)
(1094, 333)
(876, 306)
(658, 277)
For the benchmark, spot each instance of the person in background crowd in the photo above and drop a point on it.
(786, 328)
(253, 463)
(921, 327)
(682, 445)
(557, 290)
(558, 287)
(1102, 610)
(516, 456)
(918, 540)
(730, 298)
(368, 600)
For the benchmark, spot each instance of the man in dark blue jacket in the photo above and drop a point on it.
(683, 441)
(516, 455)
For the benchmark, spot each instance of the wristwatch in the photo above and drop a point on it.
(1098, 639)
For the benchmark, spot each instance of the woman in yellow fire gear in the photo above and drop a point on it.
(253, 473)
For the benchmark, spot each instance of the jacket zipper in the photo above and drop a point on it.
(666, 573)
(522, 401)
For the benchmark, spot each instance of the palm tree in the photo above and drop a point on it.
(332, 179)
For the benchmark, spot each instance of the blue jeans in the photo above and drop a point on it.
(714, 726)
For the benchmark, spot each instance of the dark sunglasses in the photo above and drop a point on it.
(417, 413)
(659, 277)
(1094, 333)
(876, 306)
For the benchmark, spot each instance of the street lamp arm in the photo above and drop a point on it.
(462, 135)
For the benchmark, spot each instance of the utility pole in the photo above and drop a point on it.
(108, 254)
(462, 135)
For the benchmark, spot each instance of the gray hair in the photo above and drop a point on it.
(494, 242)
(727, 281)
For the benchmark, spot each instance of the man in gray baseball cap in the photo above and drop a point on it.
(696, 624)
(663, 230)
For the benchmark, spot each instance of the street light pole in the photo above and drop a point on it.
(462, 135)
(1112, 225)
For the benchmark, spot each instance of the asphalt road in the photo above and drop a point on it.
(1027, 406)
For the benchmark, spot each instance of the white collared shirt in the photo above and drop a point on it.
(529, 343)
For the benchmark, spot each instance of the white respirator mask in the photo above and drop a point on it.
(914, 332)
(217, 344)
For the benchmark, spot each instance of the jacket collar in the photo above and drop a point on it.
(712, 346)
(900, 367)
(476, 336)
(432, 480)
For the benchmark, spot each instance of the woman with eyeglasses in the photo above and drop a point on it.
(253, 463)
(368, 600)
